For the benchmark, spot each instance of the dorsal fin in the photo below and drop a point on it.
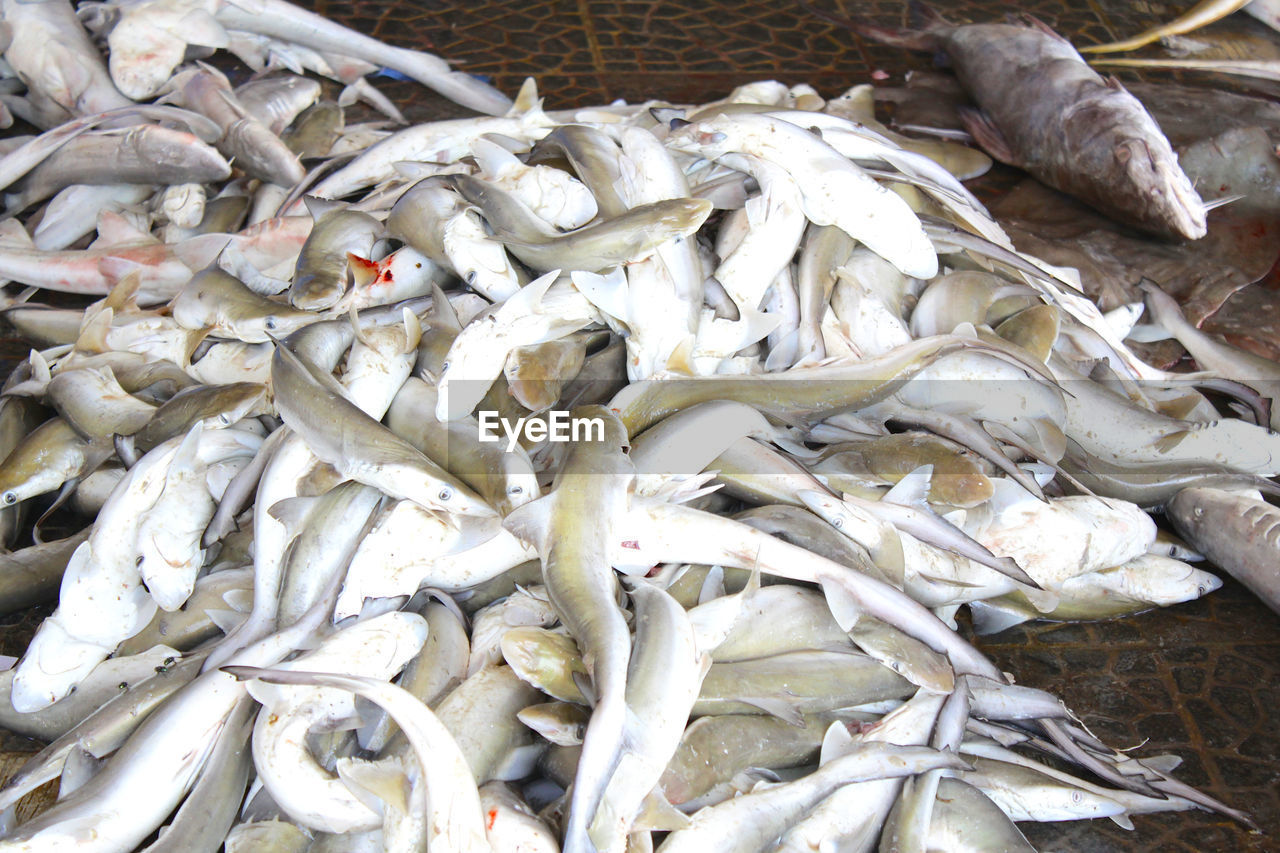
(116, 230)
(123, 297)
(363, 271)
(354, 318)
(376, 782)
(319, 207)
(529, 522)
(836, 742)
(443, 309)
(680, 361)
(657, 813)
(493, 158)
(93, 334)
(14, 236)
(527, 99)
(912, 489)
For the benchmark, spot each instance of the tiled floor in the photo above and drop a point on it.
(1199, 680)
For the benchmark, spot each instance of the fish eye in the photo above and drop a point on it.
(270, 323)
(9, 498)
(1200, 590)
(516, 490)
(837, 522)
(444, 366)
(1077, 797)
(471, 277)
(1198, 512)
(445, 494)
(224, 419)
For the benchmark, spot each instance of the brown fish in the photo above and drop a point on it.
(1043, 109)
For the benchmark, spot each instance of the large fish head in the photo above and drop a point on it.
(1168, 199)
(1188, 512)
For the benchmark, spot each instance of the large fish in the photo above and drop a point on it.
(1044, 110)
(1238, 532)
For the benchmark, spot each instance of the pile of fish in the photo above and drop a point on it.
(595, 479)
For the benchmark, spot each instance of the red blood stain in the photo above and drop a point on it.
(493, 818)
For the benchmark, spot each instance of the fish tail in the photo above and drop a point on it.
(925, 18)
(922, 39)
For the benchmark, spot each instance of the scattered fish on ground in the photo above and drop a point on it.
(456, 502)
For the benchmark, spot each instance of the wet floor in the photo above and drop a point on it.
(1198, 680)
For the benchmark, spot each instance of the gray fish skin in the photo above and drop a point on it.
(94, 404)
(623, 238)
(438, 668)
(191, 625)
(594, 157)
(1227, 361)
(798, 620)
(147, 154)
(320, 276)
(43, 326)
(502, 210)
(714, 749)
(50, 50)
(101, 685)
(216, 300)
(313, 133)
(662, 682)
(930, 527)
(213, 405)
(480, 714)
(383, 460)
(505, 479)
(202, 822)
(277, 100)
(752, 821)
(249, 143)
(1049, 113)
(50, 456)
(1238, 533)
(966, 821)
(804, 682)
(811, 393)
(1153, 486)
(34, 574)
(102, 732)
(144, 781)
(328, 539)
